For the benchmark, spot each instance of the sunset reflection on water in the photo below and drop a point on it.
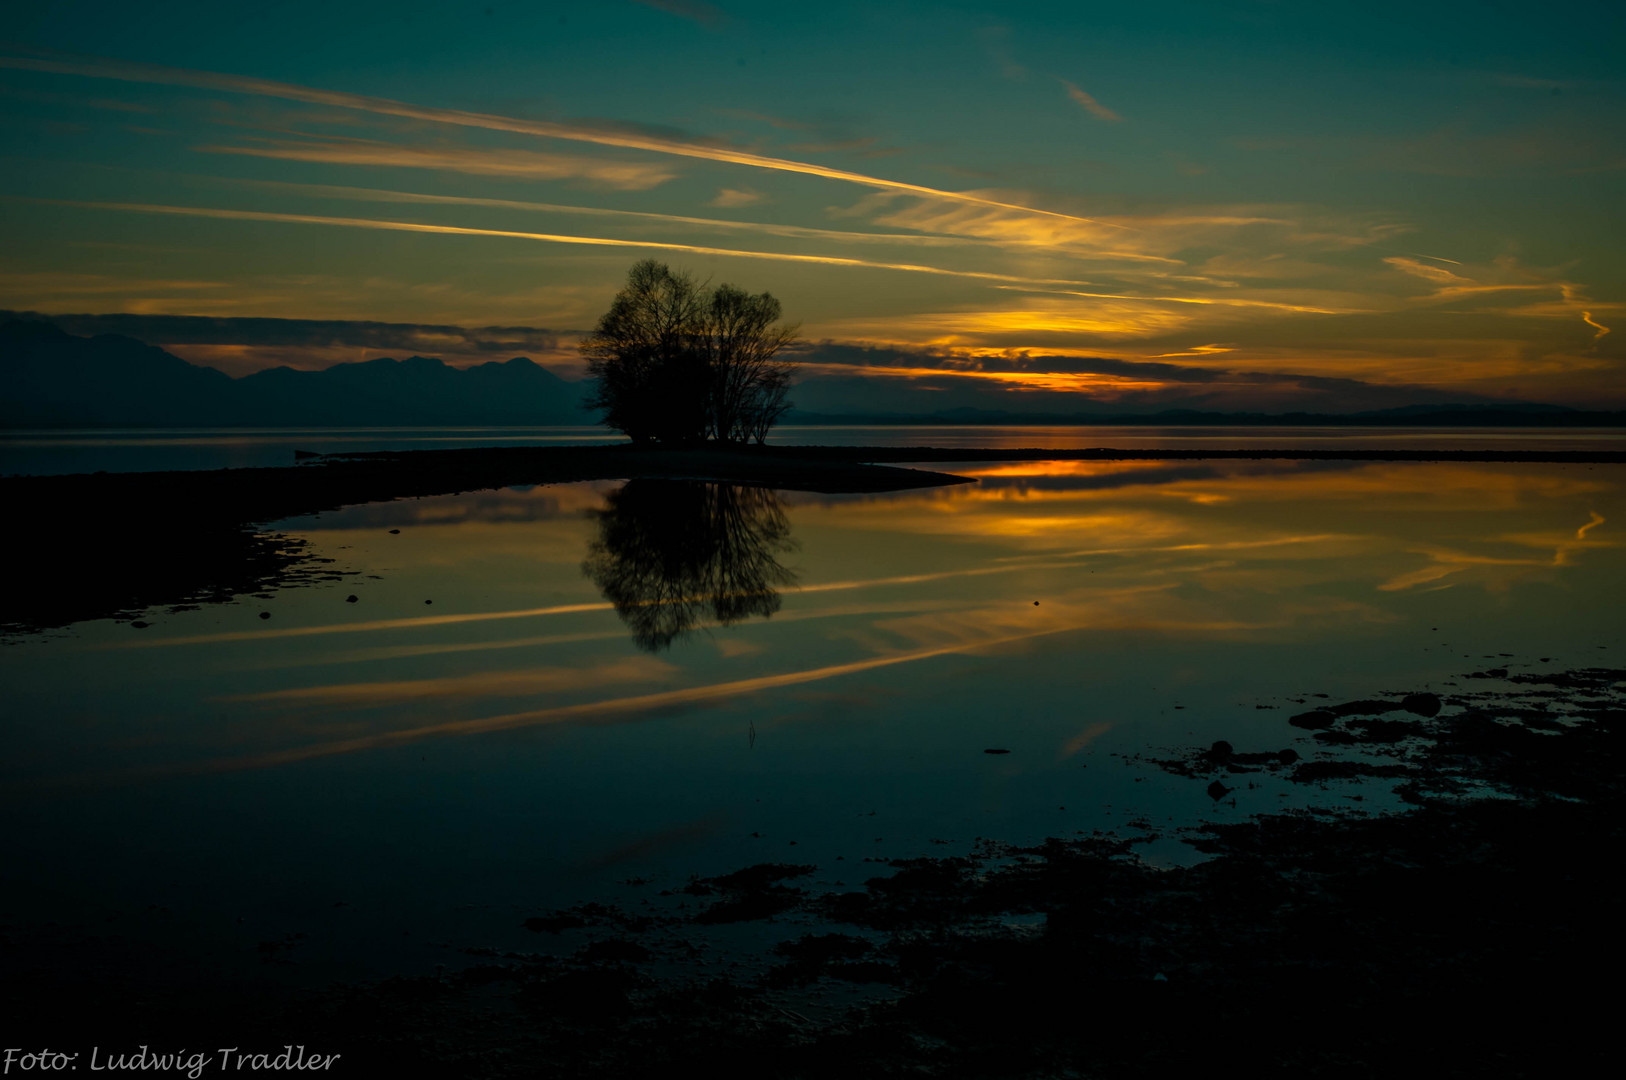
(547, 708)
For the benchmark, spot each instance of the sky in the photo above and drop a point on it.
(1026, 207)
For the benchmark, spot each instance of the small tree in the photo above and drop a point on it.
(677, 362)
(747, 382)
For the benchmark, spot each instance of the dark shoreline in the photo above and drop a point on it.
(85, 551)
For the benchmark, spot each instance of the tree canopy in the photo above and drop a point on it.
(677, 361)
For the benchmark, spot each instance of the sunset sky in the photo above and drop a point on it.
(1085, 206)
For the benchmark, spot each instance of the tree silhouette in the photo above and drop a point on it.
(677, 362)
(671, 554)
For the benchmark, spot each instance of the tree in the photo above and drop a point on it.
(677, 362)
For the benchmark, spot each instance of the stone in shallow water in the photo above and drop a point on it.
(1421, 704)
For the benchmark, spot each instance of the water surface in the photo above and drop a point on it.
(540, 695)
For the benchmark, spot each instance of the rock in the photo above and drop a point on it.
(1288, 756)
(352, 598)
(1218, 791)
(394, 532)
(1220, 750)
(1421, 704)
(265, 614)
(996, 751)
(1314, 720)
(429, 601)
(139, 625)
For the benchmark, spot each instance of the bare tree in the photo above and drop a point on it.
(748, 382)
(677, 362)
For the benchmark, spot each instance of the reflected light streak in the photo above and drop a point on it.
(485, 684)
(1084, 738)
(599, 711)
(417, 622)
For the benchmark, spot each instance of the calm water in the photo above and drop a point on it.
(41, 453)
(394, 778)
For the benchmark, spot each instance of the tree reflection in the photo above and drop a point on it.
(671, 554)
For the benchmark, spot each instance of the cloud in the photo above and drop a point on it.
(531, 164)
(496, 341)
(1438, 274)
(693, 10)
(601, 134)
(996, 39)
(329, 191)
(837, 377)
(551, 238)
(1586, 317)
(1098, 110)
(738, 197)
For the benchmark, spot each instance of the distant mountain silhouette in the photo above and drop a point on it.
(49, 378)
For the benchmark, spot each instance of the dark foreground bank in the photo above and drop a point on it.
(1478, 933)
(116, 545)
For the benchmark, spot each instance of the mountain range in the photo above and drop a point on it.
(52, 379)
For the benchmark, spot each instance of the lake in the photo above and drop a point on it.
(47, 453)
(578, 692)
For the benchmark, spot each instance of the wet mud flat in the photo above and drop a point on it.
(1477, 932)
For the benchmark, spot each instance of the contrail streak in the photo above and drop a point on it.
(551, 238)
(237, 84)
(333, 191)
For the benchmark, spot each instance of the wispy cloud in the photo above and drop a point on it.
(330, 191)
(603, 135)
(997, 40)
(729, 197)
(307, 333)
(1096, 109)
(551, 238)
(1438, 274)
(1586, 317)
(530, 164)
